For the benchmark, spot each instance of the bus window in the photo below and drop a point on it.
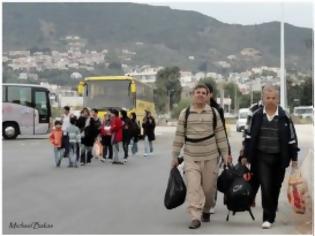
(41, 105)
(20, 95)
(4, 93)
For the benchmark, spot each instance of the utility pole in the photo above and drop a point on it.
(283, 84)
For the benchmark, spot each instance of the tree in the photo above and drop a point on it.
(168, 88)
(300, 94)
(232, 91)
(211, 81)
(180, 106)
(307, 92)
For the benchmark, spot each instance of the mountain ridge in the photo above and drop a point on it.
(168, 35)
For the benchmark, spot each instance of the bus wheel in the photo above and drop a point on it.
(10, 130)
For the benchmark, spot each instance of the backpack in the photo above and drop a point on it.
(214, 125)
(239, 195)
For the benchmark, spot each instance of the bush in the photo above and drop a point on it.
(180, 106)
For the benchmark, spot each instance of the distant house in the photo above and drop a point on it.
(23, 76)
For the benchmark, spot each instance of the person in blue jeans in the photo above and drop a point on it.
(55, 138)
(135, 133)
(74, 142)
(148, 126)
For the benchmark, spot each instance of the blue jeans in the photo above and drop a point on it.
(58, 153)
(86, 154)
(148, 146)
(116, 151)
(134, 147)
(73, 154)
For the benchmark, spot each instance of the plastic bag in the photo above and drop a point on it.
(176, 190)
(297, 191)
(97, 149)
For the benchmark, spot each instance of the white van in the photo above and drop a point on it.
(242, 118)
(303, 112)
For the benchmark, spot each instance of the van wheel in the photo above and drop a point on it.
(10, 130)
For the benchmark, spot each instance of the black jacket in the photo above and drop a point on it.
(148, 126)
(220, 110)
(287, 137)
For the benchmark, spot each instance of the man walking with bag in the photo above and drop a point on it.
(270, 145)
(203, 143)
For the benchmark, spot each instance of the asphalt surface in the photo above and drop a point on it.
(116, 199)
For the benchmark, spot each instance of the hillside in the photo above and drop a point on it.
(169, 36)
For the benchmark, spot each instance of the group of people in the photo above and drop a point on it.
(75, 137)
(269, 146)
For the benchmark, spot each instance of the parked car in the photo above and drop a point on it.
(242, 118)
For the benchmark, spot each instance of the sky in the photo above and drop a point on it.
(298, 13)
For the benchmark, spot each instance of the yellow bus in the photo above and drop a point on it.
(119, 92)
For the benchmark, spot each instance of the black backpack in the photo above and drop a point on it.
(239, 195)
(214, 125)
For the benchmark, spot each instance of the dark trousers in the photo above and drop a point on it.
(86, 154)
(269, 174)
(125, 143)
(107, 147)
(66, 145)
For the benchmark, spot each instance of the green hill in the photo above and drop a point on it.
(169, 36)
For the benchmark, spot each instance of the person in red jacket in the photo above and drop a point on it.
(55, 139)
(106, 136)
(117, 135)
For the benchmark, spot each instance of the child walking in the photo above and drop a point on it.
(74, 142)
(55, 138)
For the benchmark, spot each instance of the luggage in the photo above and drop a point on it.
(176, 190)
(226, 178)
(238, 195)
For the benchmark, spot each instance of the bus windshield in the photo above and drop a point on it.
(108, 93)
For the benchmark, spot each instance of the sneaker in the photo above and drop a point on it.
(266, 225)
(205, 217)
(125, 160)
(212, 210)
(194, 224)
(145, 154)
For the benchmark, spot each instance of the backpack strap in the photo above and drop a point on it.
(251, 213)
(227, 216)
(187, 112)
(214, 125)
(214, 121)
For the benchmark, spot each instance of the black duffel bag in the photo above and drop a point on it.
(176, 190)
(225, 179)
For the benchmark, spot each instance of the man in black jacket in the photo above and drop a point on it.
(214, 104)
(270, 145)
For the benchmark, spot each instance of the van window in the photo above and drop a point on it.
(243, 115)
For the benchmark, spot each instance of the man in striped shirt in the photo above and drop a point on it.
(202, 148)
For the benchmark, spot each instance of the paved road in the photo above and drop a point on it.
(107, 199)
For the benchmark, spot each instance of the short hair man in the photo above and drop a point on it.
(270, 145)
(203, 146)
